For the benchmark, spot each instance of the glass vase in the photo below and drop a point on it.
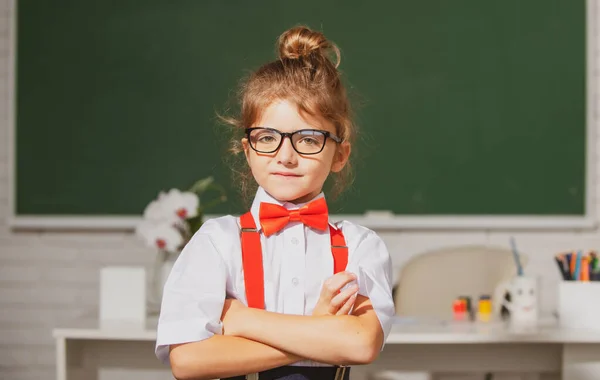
(163, 265)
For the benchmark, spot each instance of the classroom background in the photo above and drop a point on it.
(50, 276)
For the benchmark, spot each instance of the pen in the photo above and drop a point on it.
(562, 268)
(577, 274)
(565, 265)
(516, 256)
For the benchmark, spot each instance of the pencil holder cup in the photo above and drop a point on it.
(522, 300)
(579, 305)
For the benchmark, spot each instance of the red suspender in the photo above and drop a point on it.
(252, 259)
(338, 250)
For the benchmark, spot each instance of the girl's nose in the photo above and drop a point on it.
(286, 154)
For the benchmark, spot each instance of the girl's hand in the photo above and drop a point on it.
(232, 316)
(332, 301)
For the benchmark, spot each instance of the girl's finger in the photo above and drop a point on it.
(333, 284)
(339, 300)
(345, 309)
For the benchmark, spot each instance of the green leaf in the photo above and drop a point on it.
(202, 185)
(195, 223)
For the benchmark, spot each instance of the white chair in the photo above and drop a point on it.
(447, 273)
(430, 282)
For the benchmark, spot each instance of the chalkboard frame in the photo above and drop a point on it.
(379, 220)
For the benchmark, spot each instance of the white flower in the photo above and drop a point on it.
(172, 206)
(156, 210)
(183, 205)
(161, 235)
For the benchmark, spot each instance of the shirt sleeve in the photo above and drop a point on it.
(193, 296)
(372, 264)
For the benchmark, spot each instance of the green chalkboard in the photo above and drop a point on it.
(465, 107)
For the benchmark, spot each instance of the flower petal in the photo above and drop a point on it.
(182, 205)
(160, 235)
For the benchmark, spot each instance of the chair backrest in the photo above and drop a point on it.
(431, 281)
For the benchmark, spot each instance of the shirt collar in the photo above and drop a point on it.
(262, 196)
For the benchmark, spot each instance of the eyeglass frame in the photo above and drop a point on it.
(289, 135)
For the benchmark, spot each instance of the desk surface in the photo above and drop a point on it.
(404, 331)
(494, 332)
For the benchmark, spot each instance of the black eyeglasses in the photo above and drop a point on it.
(304, 141)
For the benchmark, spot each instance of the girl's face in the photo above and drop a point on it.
(285, 174)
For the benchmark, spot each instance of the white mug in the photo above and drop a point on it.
(523, 304)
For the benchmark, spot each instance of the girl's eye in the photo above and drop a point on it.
(309, 141)
(266, 138)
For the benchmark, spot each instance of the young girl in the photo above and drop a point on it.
(282, 292)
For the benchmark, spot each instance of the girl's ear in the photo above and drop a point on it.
(341, 157)
(246, 148)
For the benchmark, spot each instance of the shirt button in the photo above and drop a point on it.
(294, 241)
(295, 281)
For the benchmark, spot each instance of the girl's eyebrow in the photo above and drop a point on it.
(296, 130)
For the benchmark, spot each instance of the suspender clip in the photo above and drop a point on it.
(340, 372)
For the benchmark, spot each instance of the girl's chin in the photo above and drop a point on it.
(282, 194)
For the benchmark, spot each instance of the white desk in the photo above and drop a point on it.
(450, 348)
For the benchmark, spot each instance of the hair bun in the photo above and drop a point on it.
(300, 42)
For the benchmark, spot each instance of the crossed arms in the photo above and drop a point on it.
(255, 340)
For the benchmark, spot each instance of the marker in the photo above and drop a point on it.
(572, 258)
(594, 269)
(379, 214)
(585, 268)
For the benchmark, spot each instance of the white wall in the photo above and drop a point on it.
(48, 279)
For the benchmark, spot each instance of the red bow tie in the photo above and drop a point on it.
(274, 217)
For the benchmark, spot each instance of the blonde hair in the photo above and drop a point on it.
(306, 74)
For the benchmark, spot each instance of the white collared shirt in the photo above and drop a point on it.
(296, 261)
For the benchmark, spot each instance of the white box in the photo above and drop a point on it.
(579, 304)
(123, 296)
